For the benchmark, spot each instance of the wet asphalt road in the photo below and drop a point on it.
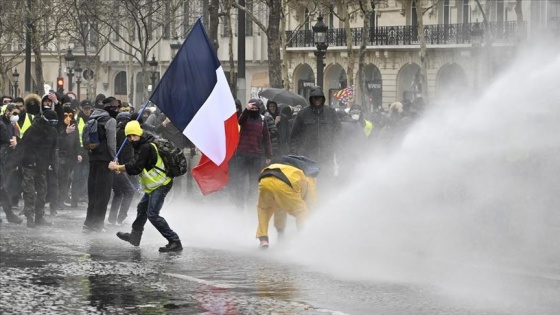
(60, 270)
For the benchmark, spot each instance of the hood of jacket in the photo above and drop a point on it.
(32, 104)
(98, 113)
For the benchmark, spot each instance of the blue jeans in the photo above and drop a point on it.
(148, 209)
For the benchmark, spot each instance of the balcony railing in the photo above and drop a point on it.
(438, 34)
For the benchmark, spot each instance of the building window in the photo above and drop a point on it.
(446, 12)
(331, 17)
(307, 20)
(373, 16)
(413, 15)
(167, 24)
(466, 11)
(248, 19)
(120, 83)
(186, 15)
(226, 26)
(500, 14)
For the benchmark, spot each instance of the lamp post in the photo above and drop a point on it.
(70, 59)
(78, 80)
(15, 75)
(153, 65)
(175, 44)
(320, 39)
(477, 36)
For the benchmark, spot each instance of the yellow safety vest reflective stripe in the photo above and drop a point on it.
(155, 177)
(368, 128)
(81, 125)
(26, 124)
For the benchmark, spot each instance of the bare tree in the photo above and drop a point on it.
(134, 28)
(422, 6)
(272, 32)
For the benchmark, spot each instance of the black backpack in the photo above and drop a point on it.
(307, 165)
(173, 158)
(94, 133)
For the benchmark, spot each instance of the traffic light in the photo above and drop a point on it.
(60, 85)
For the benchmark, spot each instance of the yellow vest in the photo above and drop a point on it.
(26, 124)
(156, 177)
(81, 125)
(368, 128)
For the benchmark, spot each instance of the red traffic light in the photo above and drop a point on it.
(60, 84)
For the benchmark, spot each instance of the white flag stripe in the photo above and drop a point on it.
(206, 129)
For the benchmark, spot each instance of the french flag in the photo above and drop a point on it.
(195, 95)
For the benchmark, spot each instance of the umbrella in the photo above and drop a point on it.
(283, 96)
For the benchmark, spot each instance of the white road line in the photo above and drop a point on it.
(200, 281)
(66, 250)
(230, 286)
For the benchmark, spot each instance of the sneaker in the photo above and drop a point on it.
(86, 229)
(263, 245)
(68, 204)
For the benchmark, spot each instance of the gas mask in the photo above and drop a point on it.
(52, 122)
(68, 118)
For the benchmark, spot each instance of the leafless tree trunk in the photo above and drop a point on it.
(366, 11)
(423, 51)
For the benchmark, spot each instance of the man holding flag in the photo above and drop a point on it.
(194, 94)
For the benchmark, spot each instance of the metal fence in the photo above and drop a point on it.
(438, 34)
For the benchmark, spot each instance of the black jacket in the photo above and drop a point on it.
(39, 146)
(127, 153)
(145, 155)
(69, 146)
(314, 133)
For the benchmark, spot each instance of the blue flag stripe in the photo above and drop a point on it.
(189, 80)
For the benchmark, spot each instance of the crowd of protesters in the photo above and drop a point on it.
(43, 162)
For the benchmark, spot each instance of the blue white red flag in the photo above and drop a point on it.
(194, 94)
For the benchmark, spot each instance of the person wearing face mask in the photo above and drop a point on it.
(81, 169)
(9, 133)
(70, 154)
(36, 153)
(27, 113)
(314, 133)
(356, 113)
(148, 165)
(100, 178)
(350, 146)
(254, 151)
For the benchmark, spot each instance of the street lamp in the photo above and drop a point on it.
(15, 75)
(320, 39)
(175, 44)
(70, 59)
(153, 64)
(477, 36)
(78, 80)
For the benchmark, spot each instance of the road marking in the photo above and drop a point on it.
(200, 281)
(67, 250)
(231, 286)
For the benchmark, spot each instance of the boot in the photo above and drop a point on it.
(13, 218)
(173, 246)
(30, 221)
(133, 237)
(124, 236)
(41, 221)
